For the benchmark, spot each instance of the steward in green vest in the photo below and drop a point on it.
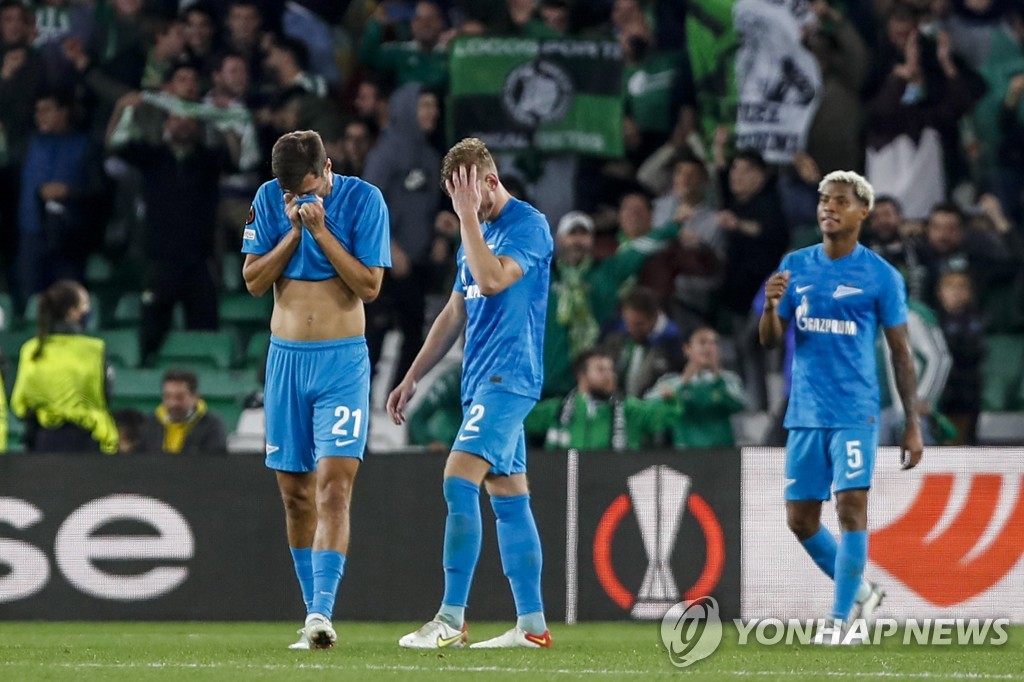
(61, 384)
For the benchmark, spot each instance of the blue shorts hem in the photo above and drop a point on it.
(283, 466)
(852, 487)
(489, 460)
(806, 499)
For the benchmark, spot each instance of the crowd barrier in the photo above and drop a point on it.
(625, 536)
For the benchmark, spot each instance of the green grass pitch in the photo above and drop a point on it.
(79, 652)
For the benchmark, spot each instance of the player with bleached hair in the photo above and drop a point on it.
(837, 294)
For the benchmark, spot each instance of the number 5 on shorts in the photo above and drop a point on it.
(854, 459)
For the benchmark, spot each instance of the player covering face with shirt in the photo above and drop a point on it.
(321, 240)
(500, 297)
(837, 294)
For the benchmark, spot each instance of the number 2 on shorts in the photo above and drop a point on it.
(476, 414)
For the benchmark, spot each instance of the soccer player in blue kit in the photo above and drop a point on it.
(500, 296)
(837, 294)
(322, 242)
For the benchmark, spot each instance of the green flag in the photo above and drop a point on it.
(553, 95)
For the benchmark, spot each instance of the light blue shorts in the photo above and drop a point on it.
(317, 401)
(821, 461)
(492, 428)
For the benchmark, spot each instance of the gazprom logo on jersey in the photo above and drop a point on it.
(822, 325)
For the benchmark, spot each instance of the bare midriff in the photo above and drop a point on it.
(316, 311)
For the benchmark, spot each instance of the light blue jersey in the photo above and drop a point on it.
(318, 392)
(505, 333)
(837, 308)
(355, 214)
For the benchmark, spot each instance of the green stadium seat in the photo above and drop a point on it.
(231, 386)
(12, 341)
(256, 351)
(137, 388)
(231, 277)
(245, 314)
(246, 308)
(1001, 371)
(15, 434)
(98, 270)
(7, 305)
(197, 350)
(129, 312)
(122, 347)
(229, 413)
(1002, 308)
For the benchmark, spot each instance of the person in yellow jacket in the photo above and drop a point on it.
(60, 389)
(183, 422)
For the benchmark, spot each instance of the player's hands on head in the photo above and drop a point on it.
(464, 190)
(775, 289)
(912, 449)
(399, 398)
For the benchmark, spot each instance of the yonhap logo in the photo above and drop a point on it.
(691, 631)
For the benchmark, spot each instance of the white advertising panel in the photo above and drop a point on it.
(946, 538)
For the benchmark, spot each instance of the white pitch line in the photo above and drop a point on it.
(865, 674)
(320, 666)
(698, 670)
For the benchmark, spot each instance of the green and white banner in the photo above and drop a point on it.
(553, 95)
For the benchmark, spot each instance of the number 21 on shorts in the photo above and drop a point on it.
(341, 428)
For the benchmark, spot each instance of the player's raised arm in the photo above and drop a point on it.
(493, 274)
(906, 384)
(260, 271)
(440, 338)
(364, 281)
(771, 329)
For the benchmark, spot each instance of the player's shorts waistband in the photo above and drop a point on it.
(316, 345)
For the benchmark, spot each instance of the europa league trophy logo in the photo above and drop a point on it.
(658, 495)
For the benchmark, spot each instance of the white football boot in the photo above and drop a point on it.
(436, 634)
(319, 632)
(516, 638)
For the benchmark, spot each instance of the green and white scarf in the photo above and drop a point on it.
(573, 310)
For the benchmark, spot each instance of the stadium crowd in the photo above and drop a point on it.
(136, 132)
